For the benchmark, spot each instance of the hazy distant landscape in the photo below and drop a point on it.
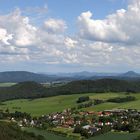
(22, 76)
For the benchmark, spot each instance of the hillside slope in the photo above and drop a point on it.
(21, 76)
(22, 90)
(101, 85)
(10, 131)
(33, 90)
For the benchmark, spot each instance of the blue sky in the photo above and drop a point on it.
(69, 35)
(68, 10)
(65, 8)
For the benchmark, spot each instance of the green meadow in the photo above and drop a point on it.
(108, 136)
(48, 105)
(47, 135)
(116, 136)
(6, 84)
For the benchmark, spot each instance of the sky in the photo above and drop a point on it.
(70, 35)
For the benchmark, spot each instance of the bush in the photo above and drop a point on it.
(97, 101)
(105, 129)
(121, 100)
(85, 133)
(77, 129)
(83, 99)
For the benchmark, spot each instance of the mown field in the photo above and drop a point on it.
(46, 134)
(42, 106)
(116, 136)
(107, 136)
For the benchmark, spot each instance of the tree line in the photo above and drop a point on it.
(32, 90)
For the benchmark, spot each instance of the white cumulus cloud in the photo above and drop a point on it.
(55, 25)
(105, 42)
(120, 27)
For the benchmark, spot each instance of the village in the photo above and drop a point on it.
(86, 123)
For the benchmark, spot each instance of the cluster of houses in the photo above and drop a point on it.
(93, 122)
(90, 121)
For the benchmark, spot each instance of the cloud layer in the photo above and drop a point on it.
(111, 41)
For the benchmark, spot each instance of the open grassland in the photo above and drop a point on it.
(47, 135)
(108, 136)
(128, 105)
(59, 103)
(116, 136)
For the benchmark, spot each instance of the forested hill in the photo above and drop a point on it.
(101, 85)
(22, 76)
(23, 90)
(35, 90)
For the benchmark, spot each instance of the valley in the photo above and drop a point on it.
(37, 107)
(83, 109)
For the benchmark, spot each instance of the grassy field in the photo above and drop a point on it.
(42, 106)
(54, 104)
(6, 84)
(46, 134)
(107, 136)
(116, 136)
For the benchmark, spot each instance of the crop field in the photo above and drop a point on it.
(48, 105)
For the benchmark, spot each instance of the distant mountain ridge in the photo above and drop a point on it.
(85, 74)
(22, 76)
(91, 74)
(131, 74)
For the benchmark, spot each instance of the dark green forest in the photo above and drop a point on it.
(33, 90)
